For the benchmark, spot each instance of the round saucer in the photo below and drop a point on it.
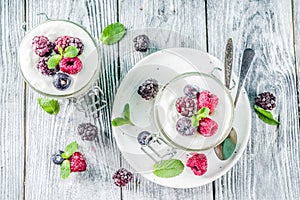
(163, 66)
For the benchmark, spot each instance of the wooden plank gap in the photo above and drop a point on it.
(24, 113)
(295, 55)
(206, 27)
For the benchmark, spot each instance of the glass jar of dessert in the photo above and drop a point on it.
(59, 59)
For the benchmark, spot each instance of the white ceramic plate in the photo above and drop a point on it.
(163, 66)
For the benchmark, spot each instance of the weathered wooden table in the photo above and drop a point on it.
(269, 167)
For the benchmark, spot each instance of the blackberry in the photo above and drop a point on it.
(70, 65)
(266, 100)
(57, 158)
(122, 177)
(43, 68)
(87, 131)
(144, 138)
(190, 91)
(65, 41)
(184, 126)
(186, 106)
(141, 43)
(42, 46)
(61, 81)
(148, 89)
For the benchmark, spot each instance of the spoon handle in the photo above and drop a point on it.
(248, 56)
(228, 62)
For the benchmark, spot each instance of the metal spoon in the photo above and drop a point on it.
(248, 56)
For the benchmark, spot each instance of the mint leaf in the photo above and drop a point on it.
(126, 112)
(228, 148)
(60, 50)
(266, 116)
(113, 33)
(203, 112)
(168, 168)
(54, 61)
(119, 121)
(70, 149)
(51, 106)
(65, 169)
(71, 52)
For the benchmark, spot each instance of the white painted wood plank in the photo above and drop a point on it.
(269, 167)
(186, 18)
(46, 134)
(11, 102)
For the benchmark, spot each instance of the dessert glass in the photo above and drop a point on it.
(42, 84)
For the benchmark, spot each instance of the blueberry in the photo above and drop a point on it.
(190, 91)
(61, 81)
(144, 137)
(57, 157)
(184, 126)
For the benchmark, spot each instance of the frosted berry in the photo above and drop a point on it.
(266, 100)
(65, 41)
(70, 65)
(144, 137)
(57, 158)
(43, 67)
(87, 131)
(148, 89)
(190, 91)
(42, 46)
(186, 106)
(207, 99)
(198, 163)
(77, 162)
(61, 81)
(141, 43)
(207, 127)
(122, 177)
(184, 126)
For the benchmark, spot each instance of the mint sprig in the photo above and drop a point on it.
(51, 106)
(70, 150)
(265, 116)
(168, 168)
(65, 169)
(69, 52)
(113, 33)
(119, 121)
(202, 113)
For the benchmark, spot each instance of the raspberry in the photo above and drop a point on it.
(144, 138)
(122, 177)
(61, 81)
(198, 163)
(57, 158)
(77, 162)
(207, 127)
(184, 126)
(70, 65)
(148, 89)
(141, 43)
(43, 68)
(87, 131)
(65, 41)
(266, 100)
(190, 91)
(207, 99)
(186, 106)
(42, 46)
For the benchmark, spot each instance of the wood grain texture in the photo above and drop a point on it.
(186, 18)
(269, 167)
(46, 134)
(11, 102)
